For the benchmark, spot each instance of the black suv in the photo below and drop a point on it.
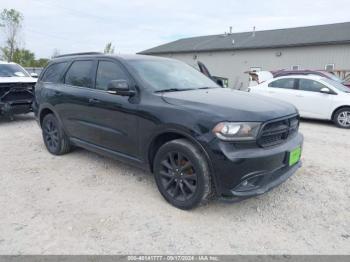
(199, 140)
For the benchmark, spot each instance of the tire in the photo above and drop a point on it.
(182, 174)
(56, 141)
(342, 117)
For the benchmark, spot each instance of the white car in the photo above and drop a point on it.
(314, 96)
(16, 89)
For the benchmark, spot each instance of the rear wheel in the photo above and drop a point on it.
(55, 139)
(182, 174)
(342, 117)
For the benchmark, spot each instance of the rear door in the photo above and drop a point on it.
(282, 89)
(75, 99)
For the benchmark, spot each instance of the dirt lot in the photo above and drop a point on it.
(82, 203)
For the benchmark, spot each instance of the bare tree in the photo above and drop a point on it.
(109, 48)
(55, 53)
(11, 22)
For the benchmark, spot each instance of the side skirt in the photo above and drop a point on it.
(110, 153)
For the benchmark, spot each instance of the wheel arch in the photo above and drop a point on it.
(48, 109)
(168, 135)
(44, 112)
(171, 134)
(337, 109)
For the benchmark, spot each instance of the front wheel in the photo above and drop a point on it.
(342, 117)
(182, 174)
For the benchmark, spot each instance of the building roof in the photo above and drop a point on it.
(290, 37)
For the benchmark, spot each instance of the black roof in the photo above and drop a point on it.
(300, 36)
(101, 55)
(78, 54)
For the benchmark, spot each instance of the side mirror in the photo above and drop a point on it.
(119, 87)
(35, 75)
(325, 90)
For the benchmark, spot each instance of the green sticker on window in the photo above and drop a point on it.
(294, 156)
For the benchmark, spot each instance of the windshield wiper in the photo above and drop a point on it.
(173, 90)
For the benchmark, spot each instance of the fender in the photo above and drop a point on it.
(51, 108)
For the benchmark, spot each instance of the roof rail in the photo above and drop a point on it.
(77, 54)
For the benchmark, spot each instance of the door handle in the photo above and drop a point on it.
(299, 96)
(94, 101)
(57, 93)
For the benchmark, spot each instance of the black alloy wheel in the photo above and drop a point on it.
(51, 136)
(179, 177)
(182, 174)
(55, 139)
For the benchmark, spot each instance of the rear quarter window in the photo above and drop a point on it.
(54, 72)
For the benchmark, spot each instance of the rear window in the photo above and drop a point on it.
(54, 72)
(80, 74)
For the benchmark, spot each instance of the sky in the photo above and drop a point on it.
(135, 25)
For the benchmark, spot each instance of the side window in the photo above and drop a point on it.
(310, 85)
(54, 72)
(106, 72)
(286, 83)
(80, 74)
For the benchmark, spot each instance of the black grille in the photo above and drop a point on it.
(5, 87)
(274, 133)
(16, 91)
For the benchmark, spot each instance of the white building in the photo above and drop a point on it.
(230, 55)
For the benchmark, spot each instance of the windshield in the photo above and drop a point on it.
(337, 85)
(12, 70)
(172, 75)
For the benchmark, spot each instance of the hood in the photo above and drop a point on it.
(15, 79)
(261, 76)
(230, 105)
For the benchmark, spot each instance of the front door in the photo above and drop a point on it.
(310, 101)
(113, 117)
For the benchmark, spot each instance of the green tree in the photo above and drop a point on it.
(42, 62)
(109, 48)
(11, 22)
(26, 58)
(23, 57)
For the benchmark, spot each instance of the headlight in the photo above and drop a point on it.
(234, 131)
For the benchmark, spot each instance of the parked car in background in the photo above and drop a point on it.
(221, 81)
(16, 89)
(258, 77)
(322, 73)
(198, 139)
(34, 71)
(314, 96)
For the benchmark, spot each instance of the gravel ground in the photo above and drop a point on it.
(82, 203)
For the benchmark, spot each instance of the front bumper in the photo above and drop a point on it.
(15, 107)
(245, 172)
